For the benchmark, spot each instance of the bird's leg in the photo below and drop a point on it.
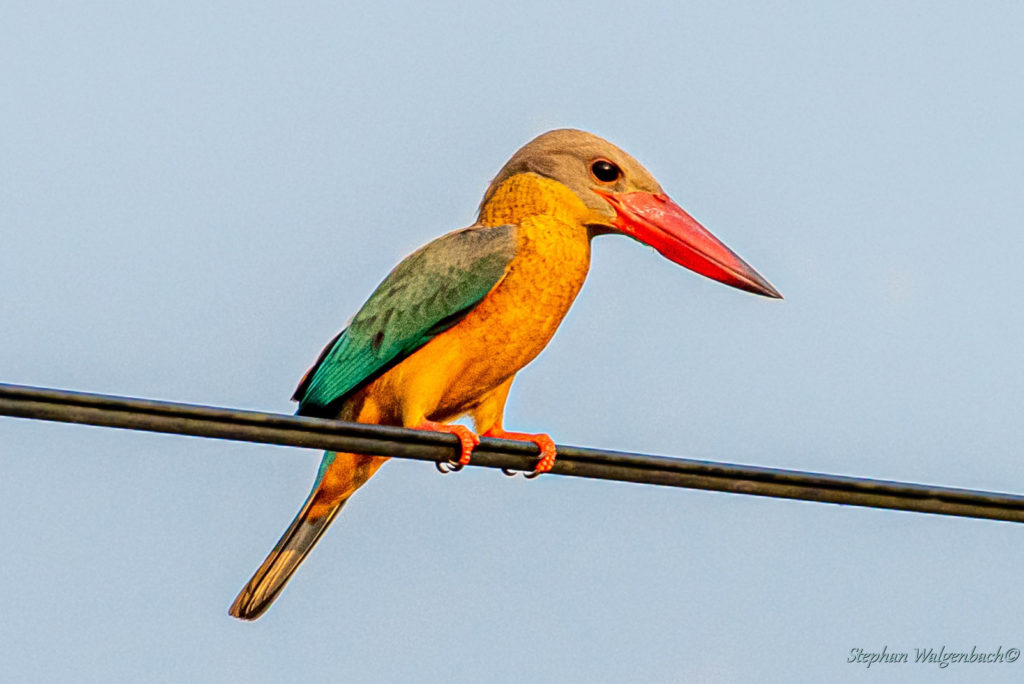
(487, 416)
(543, 442)
(466, 436)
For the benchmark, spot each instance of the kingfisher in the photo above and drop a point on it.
(445, 333)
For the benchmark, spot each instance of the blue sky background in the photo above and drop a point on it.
(195, 197)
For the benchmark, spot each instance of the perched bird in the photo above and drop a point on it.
(446, 332)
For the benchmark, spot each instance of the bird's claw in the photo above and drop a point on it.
(543, 442)
(547, 457)
(529, 476)
(467, 439)
(445, 467)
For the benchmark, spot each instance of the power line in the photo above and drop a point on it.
(272, 428)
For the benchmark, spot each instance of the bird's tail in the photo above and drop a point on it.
(277, 569)
(333, 487)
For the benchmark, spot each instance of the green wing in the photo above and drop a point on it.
(429, 292)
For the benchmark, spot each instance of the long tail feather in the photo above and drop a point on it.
(288, 554)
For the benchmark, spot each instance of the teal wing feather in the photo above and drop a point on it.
(429, 292)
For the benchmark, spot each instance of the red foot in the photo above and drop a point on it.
(546, 444)
(466, 436)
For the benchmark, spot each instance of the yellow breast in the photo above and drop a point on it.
(514, 322)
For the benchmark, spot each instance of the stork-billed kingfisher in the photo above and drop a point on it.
(446, 332)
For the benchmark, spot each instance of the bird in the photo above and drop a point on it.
(445, 333)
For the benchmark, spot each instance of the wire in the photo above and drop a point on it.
(272, 428)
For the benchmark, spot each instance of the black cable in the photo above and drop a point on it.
(271, 428)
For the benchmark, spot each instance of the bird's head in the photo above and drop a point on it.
(621, 196)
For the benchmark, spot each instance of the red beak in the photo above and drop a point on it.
(657, 221)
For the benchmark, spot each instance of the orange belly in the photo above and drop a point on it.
(510, 326)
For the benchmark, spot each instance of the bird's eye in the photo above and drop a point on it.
(605, 171)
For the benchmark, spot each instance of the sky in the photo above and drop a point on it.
(195, 197)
